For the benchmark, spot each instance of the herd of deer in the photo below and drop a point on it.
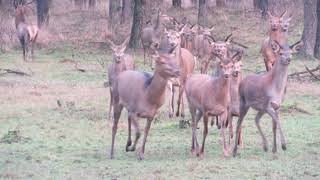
(176, 49)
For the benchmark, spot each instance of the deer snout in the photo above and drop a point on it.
(177, 72)
(288, 60)
(226, 76)
(235, 73)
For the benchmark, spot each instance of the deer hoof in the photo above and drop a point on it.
(226, 153)
(274, 150)
(234, 153)
(193, 152)
(265, 148)
(111, 156)
(201, 156)
(170, 115)
(141, 156)
(284, 147)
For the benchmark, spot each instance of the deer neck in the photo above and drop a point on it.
(156, 89)
(279, 76)
(19, 19)
(279, 36)
(224, 86)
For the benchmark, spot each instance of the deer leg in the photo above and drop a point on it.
(170, 87)
(229, 119)
(133, 119)
(179, 101)
(218, 123)
(146, 131)
(223, 119)
(264, 140)
(129, 141)
(193, 112)
(275, 117)
(205, 133)
(116, 115)
(111, 103)
(182, 106)
(274, 131)
(243, 112)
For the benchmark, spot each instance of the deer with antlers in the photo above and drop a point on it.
(120, 62)
(27, 33)
(265, 93)
(142, 94)
(278, 32)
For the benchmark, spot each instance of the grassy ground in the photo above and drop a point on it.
(42, 140)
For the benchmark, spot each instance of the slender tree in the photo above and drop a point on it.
(92, 3)
(114, 12)
(126, 11)
(317, 46)
(136, 24)
(202, 12)
(176, 3)
(262, 5)
(310, 27)
(221, 3)
(42, 12)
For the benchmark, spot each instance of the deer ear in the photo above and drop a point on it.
(275, 46)
(296, 47)
(125, 43)
(270, 15)
(211, 29)
(112, 45)
(182, 29)
(211, 39)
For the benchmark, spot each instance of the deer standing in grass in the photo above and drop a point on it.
(186, 62)
(142, 94)
(278, 32)
(210, 96)
(27, 33)
(120, 62)
(265, 93)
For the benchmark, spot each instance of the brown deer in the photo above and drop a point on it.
(202, 45)
(186, 61)
(27, 33)
(210, 96)
(234, 108)
(120, 62)
(142, 94)
(265, 93)
(278, 32)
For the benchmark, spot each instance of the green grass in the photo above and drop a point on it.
(73, 141)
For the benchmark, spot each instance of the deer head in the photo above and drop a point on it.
(166, 64)
(174, 37)
(278, 22)
(237, 66)
(118, 50)
(220, 48)
(285, 51)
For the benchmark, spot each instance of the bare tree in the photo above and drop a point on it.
(114, 11)
(202, 12)
(42, 12)
(126, 11)
(310, 27)
(221, 3)
(317, 46)
(176, 3)
(136, 24)
(261, 5)
(92, 3)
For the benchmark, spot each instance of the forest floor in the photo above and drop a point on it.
(54, 123)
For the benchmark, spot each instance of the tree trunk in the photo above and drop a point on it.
(262, 5)
(114, 12)
(42, 12)
(136, 24)
(176, 3)
(92, 3)
(221, 3)
(126, 11)
(202, 12)
(310, 27)
(317, 46)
